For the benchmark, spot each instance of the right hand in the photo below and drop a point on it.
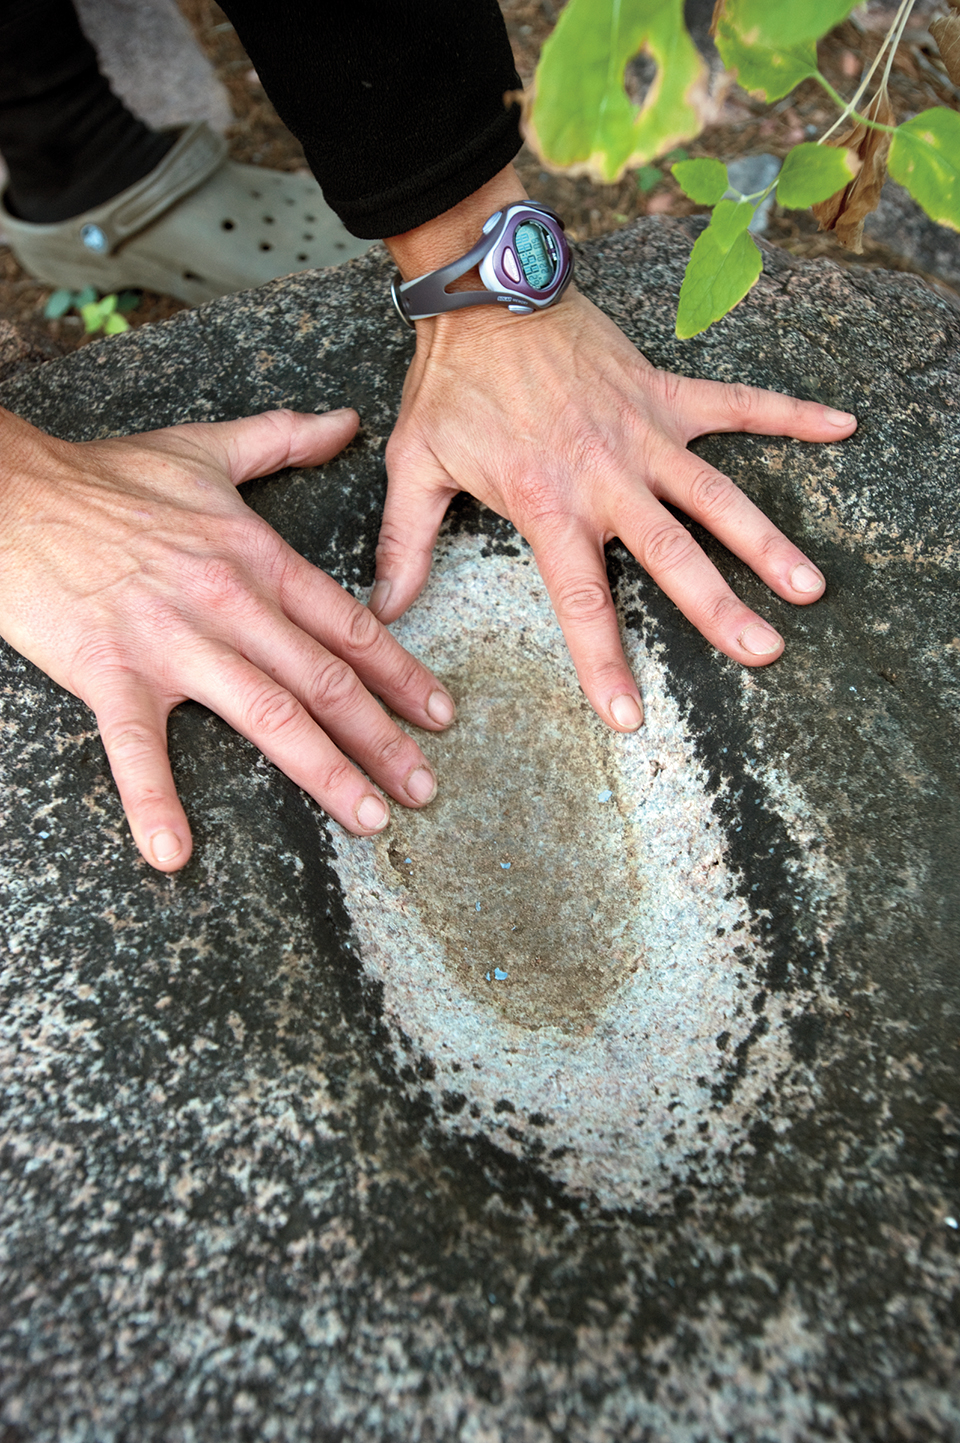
(136, 577)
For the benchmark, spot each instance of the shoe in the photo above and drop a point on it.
(196, 227)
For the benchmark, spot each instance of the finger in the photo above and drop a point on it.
(320, 608)
(572, 565)
(712, 499)
(332, 693)
(419, 491)
(669, 553)
(271, 717)
(258, 445)
(133, 726)
(717, 406)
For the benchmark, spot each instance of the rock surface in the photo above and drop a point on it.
(899, 224)
(281, 1162)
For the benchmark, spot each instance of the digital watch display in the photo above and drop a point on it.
(524, 263)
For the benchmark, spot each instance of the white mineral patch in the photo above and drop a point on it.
(622, 1086)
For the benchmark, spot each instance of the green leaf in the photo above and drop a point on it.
(58, 305)
(723, 265)
(783, 26)
(925, 157)
(129, 300)
(581, 118)
(92, 317)
(115, 324)
(773, 71)
(86, 297)
(649, 176)
(812, 173)
(704, 181)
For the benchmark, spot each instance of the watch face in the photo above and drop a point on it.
(537, 253)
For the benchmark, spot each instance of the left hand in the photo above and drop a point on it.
(557, 422)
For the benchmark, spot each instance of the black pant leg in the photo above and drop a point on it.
(398, 104)
(68, 142)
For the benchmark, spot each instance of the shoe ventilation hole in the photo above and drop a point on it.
(310, 219)
(227, 224)
(308, 235)
(266, 246)
(340, 245)
(268, 220)
(191, 276)
(302, 257)
(255, 194)
(289, 200)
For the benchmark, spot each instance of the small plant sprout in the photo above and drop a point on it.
(106, 315)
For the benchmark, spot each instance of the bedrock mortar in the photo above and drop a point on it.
(281, 1162)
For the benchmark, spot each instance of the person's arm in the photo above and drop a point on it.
(556, 421)
(136, 577)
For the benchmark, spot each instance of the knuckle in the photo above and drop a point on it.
(363, 632)
(711, 493)
(671, 388)
(407, 676)
(717, 609)
(668, 548)
(334, 685)
(770, 547)
(582, 600)
(590, 449)
(221, 583)
(128, 742)
(389, 750)
(97, 655)
(335, 775)
(391, 549)
(273, 713)
(741, 402)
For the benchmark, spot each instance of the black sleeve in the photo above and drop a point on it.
(398, 104)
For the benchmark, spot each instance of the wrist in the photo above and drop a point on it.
(432, 245)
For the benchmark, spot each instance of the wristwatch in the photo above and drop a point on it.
(525, 265)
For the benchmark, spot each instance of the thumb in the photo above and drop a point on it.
(419, 491)
(257, 445)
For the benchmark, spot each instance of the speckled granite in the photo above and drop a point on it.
(280, 1162)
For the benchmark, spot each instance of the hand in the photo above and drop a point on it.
(136, 577)
(557, 422)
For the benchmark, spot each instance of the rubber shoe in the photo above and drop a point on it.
(198, 226)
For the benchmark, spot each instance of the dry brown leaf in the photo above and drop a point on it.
(945, 30)
(846, 211)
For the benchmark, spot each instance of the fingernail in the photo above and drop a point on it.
(378, 596)
(165, 846)
(440, 708)
(373, 814)
(804, 578)
(626, 712)
(838, 418)
(760, 639)
(422, 785)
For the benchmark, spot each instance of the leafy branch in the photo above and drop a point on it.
(580, 119)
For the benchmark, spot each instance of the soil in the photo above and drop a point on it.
(744, 126)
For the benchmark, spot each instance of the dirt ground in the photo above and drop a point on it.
(743, 127)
